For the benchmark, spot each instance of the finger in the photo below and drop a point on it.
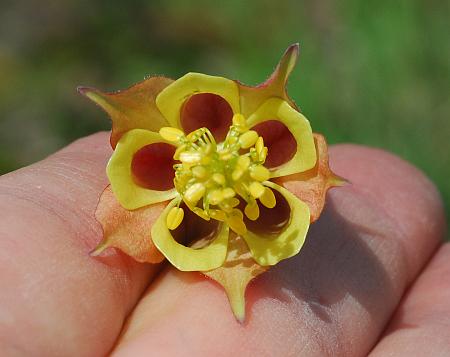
(421, 324)
(334, 298)
(55, 299)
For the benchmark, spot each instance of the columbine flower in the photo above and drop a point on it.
(219, 155)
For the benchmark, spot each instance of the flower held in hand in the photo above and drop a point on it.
(200, 171)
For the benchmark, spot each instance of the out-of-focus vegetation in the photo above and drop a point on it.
(370, 72)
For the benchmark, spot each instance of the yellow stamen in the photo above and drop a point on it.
(215, 197)
(171, 134)
(194, 193)
(199, 172)
(219, 179)
(207, 149)
(248, 139)
(268, 198)
(237, 174)
(190, 157)
(217, 214)
(214, 178)
(174, 218)
(263, 154)
(229, 204)
(233, 202)
(259, 173)
(178, 152)
(243, 162)
(236, 222)
(228, 193)
(241, 189)
(252, 210)
(259, 146)
(201, 213)
(256, 189)
(205, 160)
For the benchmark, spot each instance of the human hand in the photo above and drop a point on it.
(341, 296)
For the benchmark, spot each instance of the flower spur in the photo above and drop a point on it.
(221, 154)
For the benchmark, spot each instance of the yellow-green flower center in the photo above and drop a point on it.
(214, 178)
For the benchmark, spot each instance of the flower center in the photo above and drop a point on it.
(214, 178)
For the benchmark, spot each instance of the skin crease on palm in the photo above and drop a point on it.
(371, 278)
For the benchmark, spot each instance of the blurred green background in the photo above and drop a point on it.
(370, 72)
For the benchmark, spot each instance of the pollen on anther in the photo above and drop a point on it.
(248, 139)
(228, 192)
(201, 213)
(222, 175)
(215, 197)
(252, 210)
(194, 193)
(236, 222)
(199, 172)
(268, 198)
(259, 145)
(256, 189)
(217, 214)
(178, 152)
(174, 217)
(243, 162)
(190, 157)
(219, 179)
(259, 173)
(237, 174)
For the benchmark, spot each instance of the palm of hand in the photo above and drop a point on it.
(341, 296)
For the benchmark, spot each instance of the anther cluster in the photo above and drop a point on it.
(214, 178)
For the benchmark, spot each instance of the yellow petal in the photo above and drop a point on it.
(311, 186)
(305, 155)
(128, 193)
(172, 98)
(185, 258)
(270, 249)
